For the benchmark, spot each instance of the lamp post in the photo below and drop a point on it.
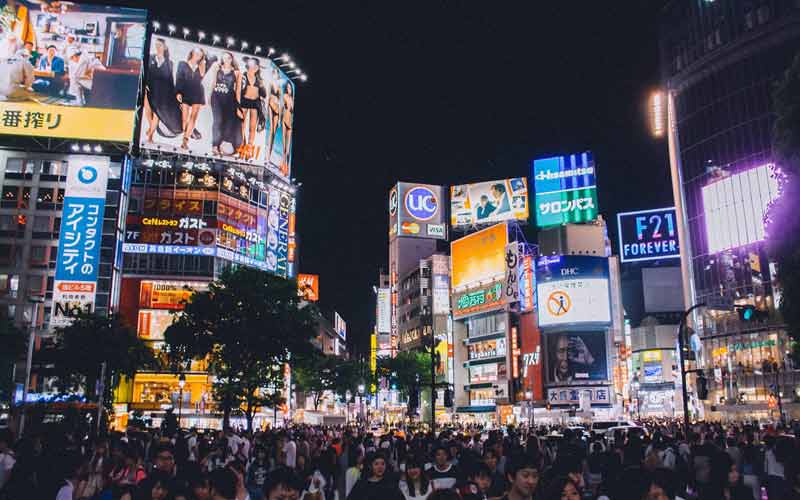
(347, 396)
(635, 386)
(181, 384)
(35, 300)
(361, 401)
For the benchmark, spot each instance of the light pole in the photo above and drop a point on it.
(361, 401)
(181, 383)
(635, 385)
(681, 347)
(36, 300)
(347, 396)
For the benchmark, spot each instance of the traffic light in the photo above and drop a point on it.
(749, 313)
(448, 398)
(702, 386)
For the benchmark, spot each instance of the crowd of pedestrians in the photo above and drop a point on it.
(712, 461)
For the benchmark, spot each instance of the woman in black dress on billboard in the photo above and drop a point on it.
(286, 119)
(162, 112)
(190, 93)
(253, 92)
(225, 99)
(274, 107)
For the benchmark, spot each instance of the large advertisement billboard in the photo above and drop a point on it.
(489, 202)
(78, 259)
(417, 211)
(170, 295)
(212, 101)
(70, 70)
(308, 287)
(648, 235)
(340, 326)
(479, 258)
(572, 290)
(576, 357)
(384, 319)
(566, 189)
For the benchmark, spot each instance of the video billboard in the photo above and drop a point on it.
(572, 290)
(648, 235)
(734, 207)
(479, 257)
(417, 211)
(171, 295)
(566, 189)
(489, 202)
(78, 258)
(384, 318)
(576, 357)
(308, 287)
(239, 106)
(70, 70)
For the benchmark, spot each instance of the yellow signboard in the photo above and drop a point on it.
(479, 257)
(34, 119)
(651, 356)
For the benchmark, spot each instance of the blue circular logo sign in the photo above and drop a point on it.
(421, 203)
(87, 174)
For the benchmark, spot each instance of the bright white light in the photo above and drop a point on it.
(735, 207)
(98, 149)
(216, 38)
(231, 41)
(201, 35)
(185, 32)
(285, 56)
(156, 25)
(75, 147)
(171, 28)
(657, 114)
(245, 45)
(303, 77)
(292, 64)
(87, 148)
(270, 51)
(257, 50)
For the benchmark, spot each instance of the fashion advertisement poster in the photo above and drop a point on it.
(576, 357)
(70, 70)
(211, 101)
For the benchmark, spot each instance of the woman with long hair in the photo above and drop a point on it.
(225, 99)
(252, 93)
(286, 118)
(162, 112)
(416, 485)
(274, 109)
(190, 93)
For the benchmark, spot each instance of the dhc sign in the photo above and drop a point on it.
(648, 235)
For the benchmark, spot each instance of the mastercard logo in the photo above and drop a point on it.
(410, 228)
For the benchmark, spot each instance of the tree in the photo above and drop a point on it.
(14, 344)
(88, 342)
(407, 370)
(314, 374)
(783, 225)
(248, 323)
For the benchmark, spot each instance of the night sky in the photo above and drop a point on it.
(446, 92)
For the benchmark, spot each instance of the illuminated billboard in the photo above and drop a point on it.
(308, 287)
(340, 326)
(478, 300)
(171, 295)
(566, 190)
(78, 258)
(384, 319)
(648, 235)
(576, 357)
(489, 202)
(238, 106)
(479, 258)
(572, 290)
(417, 211)
(734, 207)
(70, 70)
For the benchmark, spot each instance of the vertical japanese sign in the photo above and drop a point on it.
(511, 285)
(79, 240)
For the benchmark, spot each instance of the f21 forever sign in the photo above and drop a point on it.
(648, 235)
(572, 290)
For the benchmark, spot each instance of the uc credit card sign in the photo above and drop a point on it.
(81, 231)
(648, 235)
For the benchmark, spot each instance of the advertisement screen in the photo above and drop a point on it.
(489, 202)
(70, 70)
(735, 206)
(153, 323)
(308, 287)
(171, 295)
(239, 106)
(648, 235)
(662, 289)
(566, 190)
(384, 321)
(340, 326)
(576, 357)
(572, 290)
(487, 349)
(78, 258)
(418, 211)
(479, 257)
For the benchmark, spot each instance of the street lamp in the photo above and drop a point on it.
(635, 386)
(181, 383)
(361, 400)
(35, 300)
(347, 396)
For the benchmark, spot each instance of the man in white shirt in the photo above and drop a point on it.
(291, 451)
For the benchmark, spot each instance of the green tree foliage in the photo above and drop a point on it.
(247, 323)
(406, 370)
(783, 225)
(314, 374)
(89, 341)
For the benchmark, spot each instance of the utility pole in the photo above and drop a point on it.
(36, 300)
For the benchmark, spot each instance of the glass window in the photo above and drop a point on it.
(10, 193)
(45, 195)
(37, 254)
(7, 222)
(41, 223)
(51, 167)
(35, 284)
(15, 165)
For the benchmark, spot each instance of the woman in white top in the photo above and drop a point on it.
(416, 485)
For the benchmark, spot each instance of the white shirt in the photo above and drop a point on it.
(6, 464)
(291, 454)
(65, 493)
(16, 74)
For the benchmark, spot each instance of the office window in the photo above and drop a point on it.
(38, 254)
(41, 223)
(51, 167)
(10, 193)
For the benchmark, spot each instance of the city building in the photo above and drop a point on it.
(720, 61)
(654, 373)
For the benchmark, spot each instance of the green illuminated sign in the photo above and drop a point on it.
(566, 207)
(479, 300)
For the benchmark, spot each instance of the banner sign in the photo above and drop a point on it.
(572, 289)
(566, 190)
(572, 395)
(648, 235)
(511, 282)
(78, 257)
(479, 300)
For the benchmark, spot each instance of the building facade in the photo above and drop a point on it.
(720, 61)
